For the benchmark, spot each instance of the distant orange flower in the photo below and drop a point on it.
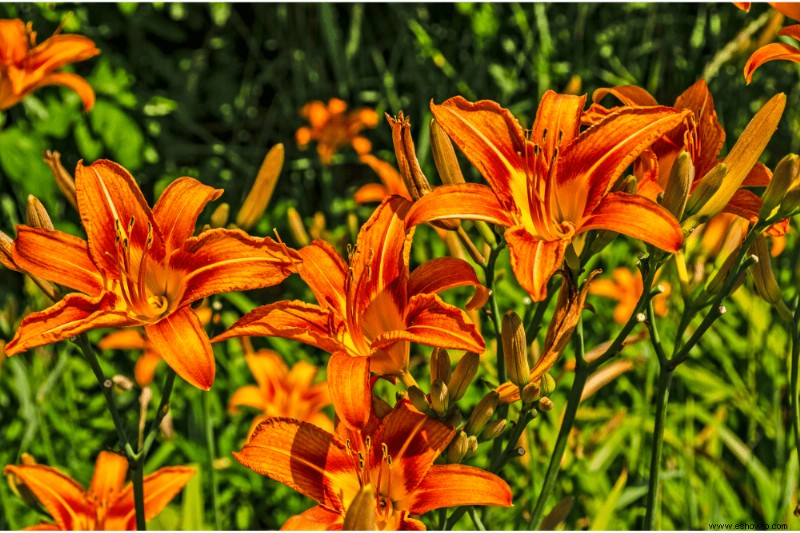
(332, 128)
(391, 182)
(775, 51)
(107, 505)
(550, 187)
(282, 392)
(394, 455)
(26, 66)
(369, 311)
(626, 288)
(142, 268)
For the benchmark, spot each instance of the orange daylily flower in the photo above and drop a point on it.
(775, 51)
(333, 128)
(626, 287)
(391, 182)
(549, 188)
(394, 455)
(282, 392)
(370, 310)
(143, 268)
(107, 505)
(702, 137)
(26, 66)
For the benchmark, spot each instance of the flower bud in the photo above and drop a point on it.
(454, 417)
(515, 350)
(360, 516)
(418, 399)
(482, 413)
(680, 183)
(763, 278)
(545, 404)
(716, 283)
(219, 218)
(439, 397)
(62, 178)
(708, 185)
(440, 365)
(547, 385)
(5, 252)
(472, 447)
(493, 429)
(259, 196)
(463, 375)
(36, 214)
(457, 449)
(444, 156)
(297, 228)
(530, 392)
(785, 173)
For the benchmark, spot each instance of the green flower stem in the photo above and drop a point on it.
(163, 409)
(794, 400)
(476, 519)
(138, 494)
(211, 449)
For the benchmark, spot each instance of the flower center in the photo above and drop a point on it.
(384, 504)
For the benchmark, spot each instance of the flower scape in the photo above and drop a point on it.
(399, 267)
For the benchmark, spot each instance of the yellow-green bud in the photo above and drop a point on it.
(545, 404)
(297, 228)
(440, 365)
(453, 418)
(62, 178)
(418, 399)
(463, 375)
(493, 429)
(680, 182)
(763, 278)
(439, 400)
(259, 196)
(472, 447)
(515, 350)
(787, 170)
(482, 413)
(457, 449)
(530, 392)
(709, 184)
(36, 214)
(547, 385)
(219, 218)
(444, 156)
(360, 516)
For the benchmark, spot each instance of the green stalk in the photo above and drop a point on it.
(138, 493)
(163, 409)
(794, 400)
(662, 397)
(211, 449)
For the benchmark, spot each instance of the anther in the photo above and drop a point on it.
(368, 443)
(131, 223)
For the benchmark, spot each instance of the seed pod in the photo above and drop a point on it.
(259, 196)
(457, 449)
(785, 173)
(482, 413)
(493, 429)
(418, 399)
(36, 214)
(463, 375)
(360, 516)
(439, 397)
(444, 156)
(440, 365)
(547, 385)
(472, 447)
(515, 350)
(680, 182)
(297, 228)
(62, 178)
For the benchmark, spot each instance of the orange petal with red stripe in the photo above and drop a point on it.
(454, 485)
(534, 261)
(350, 390)
(442, 273)
(325, 273)
(767, 53)
(178, 207)
(61, 495)
(467, 201)
(181, 341)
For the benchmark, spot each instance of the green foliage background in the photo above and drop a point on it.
(205, 89)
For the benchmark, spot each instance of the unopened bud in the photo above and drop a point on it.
(718, 281)
(400, 395)
(547, 385)
(463, 375)
(5, 252)
(680, 183)
(62, 178)
(318, 224)
(454, 417)
(515, 350)
(297, 228)
(440, 365)
(444, 156)
(530, 392)
(482, 413)
(708, 185)
(259, 196)
(787, 170)
(493, 429)
(790, 205)
(628, 184)
(418, 399)
(360, 516)
(763, 278)
(472, 447)
(36, 214)
(457, 449)
(545, 404)
(380, 406)
(219, 218)
(439, 397)
(122, 383)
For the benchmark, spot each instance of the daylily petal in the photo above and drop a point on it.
(57, 257)
(434, 323)
(558, 121)
(390, 178)
(534, 261)
(305, 458)
(636, 217)
(468, 201)
(492, 140)
(60, 50)
(61, 495)
(371, 192)
(759, 176)
(414, 440)
(436, 275)
(178, 207)
(109, 475)
(181, 341)
(268, 369)
(74, 314)
(710, 133)
(248, 396)
(454, 485)
(302, 375)
(71, 81)
(43, 527)
(411, 524)
(145, 368)
(767, 53)
(296, 320)
(14, 39)
(744, 204)
(631, 95)
(109, 200)
(325, 273)
(223, 260)
(317, 518)
(124, 339)
(160, 488)
(350, 390)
